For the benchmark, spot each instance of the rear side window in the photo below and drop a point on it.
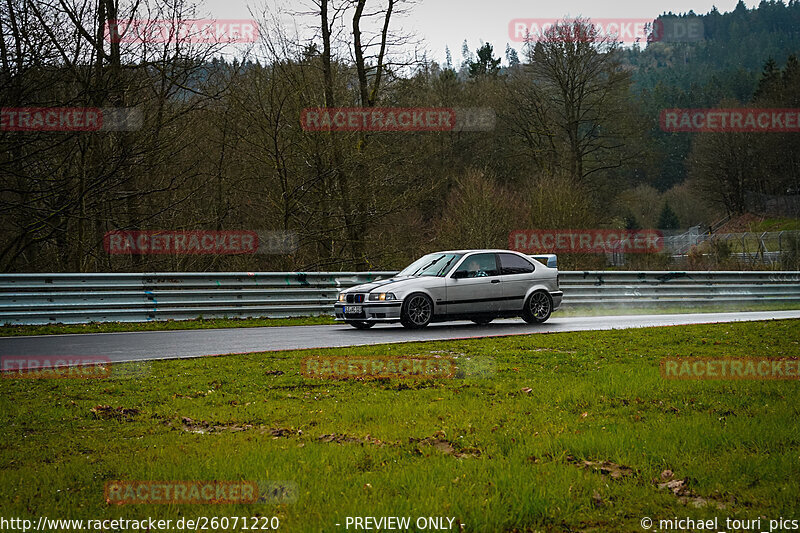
(514, 264)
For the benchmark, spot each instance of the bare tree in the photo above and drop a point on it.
(575, 100)
(64, 190)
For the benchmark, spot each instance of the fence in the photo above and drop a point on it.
(767, 247)
(82, 298)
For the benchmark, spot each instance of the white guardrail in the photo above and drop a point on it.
(83, 298)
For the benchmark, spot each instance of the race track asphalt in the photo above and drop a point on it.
(151, 345)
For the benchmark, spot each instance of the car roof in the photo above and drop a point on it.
(489, 250)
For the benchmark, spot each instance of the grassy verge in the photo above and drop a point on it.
(113, 327)
(776, 224)
(565, 432)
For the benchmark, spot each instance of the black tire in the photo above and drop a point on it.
(482, 321)
(538, 308)
(362, 325)
(417, 311)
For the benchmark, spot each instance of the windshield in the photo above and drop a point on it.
(437, 265)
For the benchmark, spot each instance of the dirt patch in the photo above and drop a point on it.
(741, 224)
(680, 488)
(606, 468)
(203, 427)
(341, 438)
(444, 446)
(597, 500)
(106, 412)
(666, 481)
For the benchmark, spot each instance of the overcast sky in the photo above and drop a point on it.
(440, 23)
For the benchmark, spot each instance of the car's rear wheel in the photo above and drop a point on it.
(482, 321)
(538, 307)
(417, 311)
(361, 325)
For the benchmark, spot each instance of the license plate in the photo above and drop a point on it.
(352, 309)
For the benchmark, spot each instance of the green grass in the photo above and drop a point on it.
(777, 224)
(593, 396)
(751, 244)
(113, 327)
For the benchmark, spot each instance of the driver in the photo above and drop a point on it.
(474, 269)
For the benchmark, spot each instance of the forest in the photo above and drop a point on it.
(575, 141)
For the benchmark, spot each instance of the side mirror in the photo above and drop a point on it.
(460, 274)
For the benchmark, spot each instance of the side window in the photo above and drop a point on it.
(514, 264)
(479, 266)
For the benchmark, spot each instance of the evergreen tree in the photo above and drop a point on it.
(770, 79)
(466, 55)
(668, 219)
(512, 58)
(485, 64)
(630, 222)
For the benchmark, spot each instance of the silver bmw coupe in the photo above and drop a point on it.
(477, 285)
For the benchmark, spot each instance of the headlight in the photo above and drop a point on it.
(380, 296)
(342, 297)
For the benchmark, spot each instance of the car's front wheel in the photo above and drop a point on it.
(538, 307)
(361, 325)
(417, 311)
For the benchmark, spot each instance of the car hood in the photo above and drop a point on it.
(386, 285)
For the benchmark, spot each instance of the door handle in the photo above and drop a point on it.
(495, 281)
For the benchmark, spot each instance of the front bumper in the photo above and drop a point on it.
(371, 311)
